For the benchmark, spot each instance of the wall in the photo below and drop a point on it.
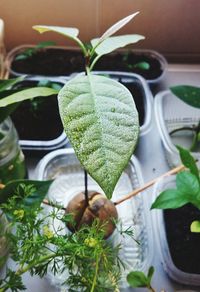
(171, 27)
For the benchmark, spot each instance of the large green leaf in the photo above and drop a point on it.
(70, 32)
(101, 121)
(188, 160)
(170, 199)
(188, 94)
(37, 196)
(27, 94)
(117, 26)
(137, 279)
(188, 184)
(115, 42)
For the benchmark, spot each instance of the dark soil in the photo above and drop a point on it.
(183, 244)
(58, 62)
(137, 92)
(38, 119)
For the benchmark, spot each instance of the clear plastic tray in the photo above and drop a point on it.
(63, 166)
(172, 113)
(158, 223)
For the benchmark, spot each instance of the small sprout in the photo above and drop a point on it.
(91, 242)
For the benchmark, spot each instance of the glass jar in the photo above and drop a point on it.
(12, 164)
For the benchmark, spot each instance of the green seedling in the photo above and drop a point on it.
(138, 279)
(187, 188)
(32, 51)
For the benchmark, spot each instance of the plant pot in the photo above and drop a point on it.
(172, 113)
(12, 163)
(63, 61)
(38, 121)
(178, 246)
(63, 166)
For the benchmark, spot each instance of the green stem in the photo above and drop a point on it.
(152, 289)
(21, 271)
(95, 275)
(94, 62)
(81, 45)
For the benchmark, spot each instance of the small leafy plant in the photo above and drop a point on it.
(187, 188)
(191, 96)
(32, 51)
(140, 280)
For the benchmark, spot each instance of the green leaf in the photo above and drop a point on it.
(188, 94)
(187, 184)
(142, 66)
(137, 279)
(188, 160)
(195, 227)
(45, 44)
(115, 42)
(117, 26)
(27, 94)
(150, 274)
(6, 111)
(101, 121)
(8, 83)
(70, 32)
(170, 199)
(41, 189)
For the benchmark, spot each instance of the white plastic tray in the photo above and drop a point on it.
(63, 166)
(172, 113)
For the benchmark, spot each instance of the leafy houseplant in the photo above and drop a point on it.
(181, 198)
(101, 121)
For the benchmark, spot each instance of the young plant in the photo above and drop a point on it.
(191, 96)
(187, 188)
(100, 118)
(137, 279)
(38, 246)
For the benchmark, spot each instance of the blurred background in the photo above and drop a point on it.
(170, 27)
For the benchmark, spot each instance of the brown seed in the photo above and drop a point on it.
(99, 207)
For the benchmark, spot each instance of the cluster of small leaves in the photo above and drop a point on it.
(139, 279)
(187, 188)
(37, 246)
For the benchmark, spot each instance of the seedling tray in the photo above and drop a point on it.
(64, 61)
(63, 166)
